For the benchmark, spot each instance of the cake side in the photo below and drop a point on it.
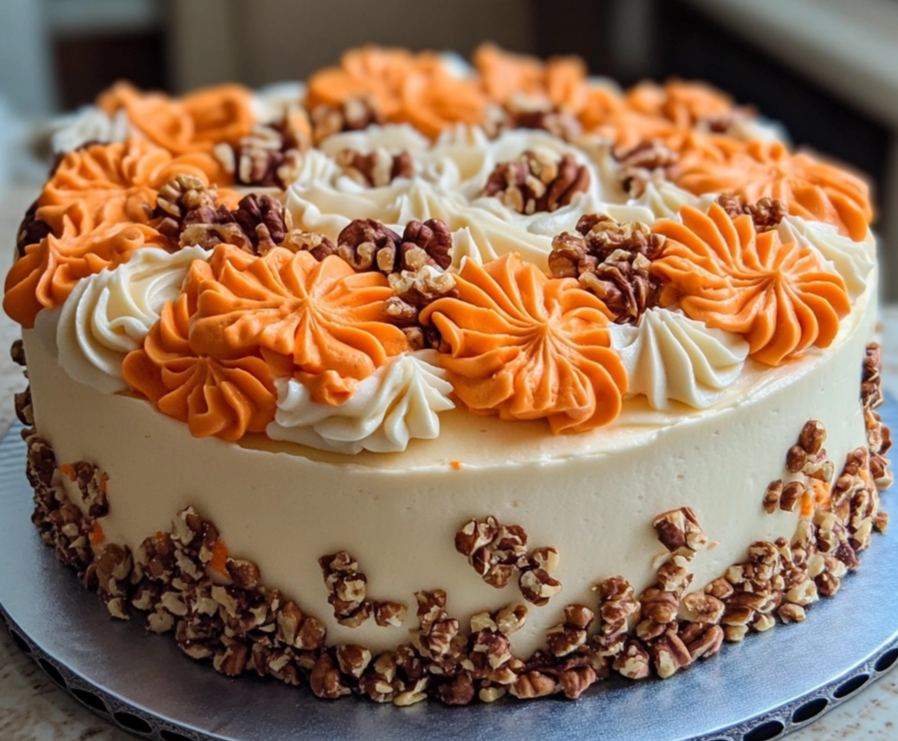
(284, 511)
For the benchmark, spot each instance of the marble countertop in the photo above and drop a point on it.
(32, 708)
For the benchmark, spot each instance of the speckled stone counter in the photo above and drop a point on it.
(32, 708)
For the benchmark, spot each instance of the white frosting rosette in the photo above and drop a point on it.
(394, 138)
(670, 357)
(88, 124)
(324, 199)
(110, 313)
(271, 103)
(401, 401)
(854, 261)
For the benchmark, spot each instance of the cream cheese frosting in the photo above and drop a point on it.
(400, 402)
(854, 261)
(108, 314)
(670, 357)
(88, 124)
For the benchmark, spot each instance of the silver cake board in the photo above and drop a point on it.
(757, 690)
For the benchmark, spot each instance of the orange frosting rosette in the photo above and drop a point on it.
(561, 81)
(47, 273)
(193, 123)
(404, 88)
(684, 104)
(319, 321)
(113, 183)
(811, 189)
(776, 295)
(223, 397)
(523, 346)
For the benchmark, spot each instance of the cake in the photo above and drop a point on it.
(424, 379)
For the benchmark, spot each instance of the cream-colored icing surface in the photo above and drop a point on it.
(670, 357)
(401, 401)
(592, 496)
(108, 314)
(88, 124)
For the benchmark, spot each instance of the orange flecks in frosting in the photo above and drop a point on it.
(807, 504)
(97, 536)
(219, 562)
(455, 465)
(811, 189)
(317, 318)
(560, 82)
(114, 183)
(723, 273)
(67, 471)
(194, 123)
(822, 494)
(222, 397)
(404, 88)
(47, 273)
(524, 346)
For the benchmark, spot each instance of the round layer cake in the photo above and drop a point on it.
(433, 380)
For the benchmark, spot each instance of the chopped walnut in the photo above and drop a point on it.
(390, 614)
(871, 379)
(773, 496)
(325, 680)
(766, 214)
(317, 244)
(186, 213)
(669, 654)
(498, 550)
(791, 496)
(31, 231)
(612, 260)
(376, 169)
(537, 181)
(633, 661)
(353, 114)
(348, 587)
(523, 112)
(24, 407)
(702, 641)
(679, 532)
(533, 684)
(270, 156)
(639, 164)
(618, 607)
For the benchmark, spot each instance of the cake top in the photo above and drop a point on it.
(338, 263)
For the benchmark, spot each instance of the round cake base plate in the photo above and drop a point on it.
(757, 690)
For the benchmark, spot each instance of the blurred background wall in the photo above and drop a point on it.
(827, 69)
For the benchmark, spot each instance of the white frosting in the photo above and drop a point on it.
(88, 124)
(664, 199)
(109, 314)
(670, 357)
(400, 401)
(854, 261)
(271, 103)
(395, 138)
(325, 200)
